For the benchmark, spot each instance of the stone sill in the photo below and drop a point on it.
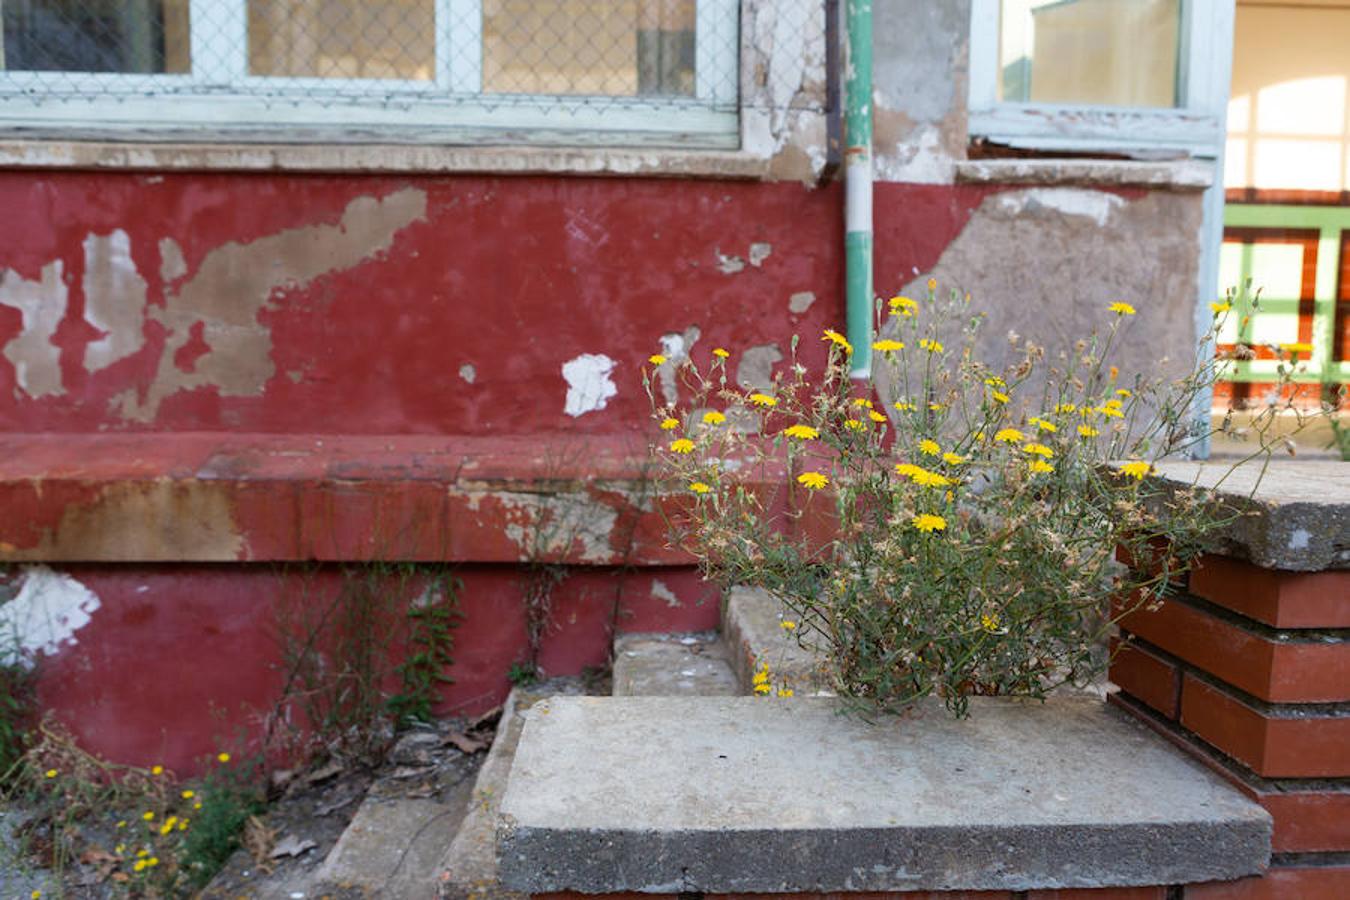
(743, 794)
(422, 159)
(1183, 175)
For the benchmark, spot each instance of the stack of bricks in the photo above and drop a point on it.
(1247, 667)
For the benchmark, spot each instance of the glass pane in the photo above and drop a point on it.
(1095, 52)
(342, 38)
(607, 47)
(132, 36)
(1277, 271)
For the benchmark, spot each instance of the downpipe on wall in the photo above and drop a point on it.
(858, 182)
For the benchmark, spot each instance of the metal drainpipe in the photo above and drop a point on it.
(858, 182)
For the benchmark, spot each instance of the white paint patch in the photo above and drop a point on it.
(759, 253)
(589, 385)
(114, 299)
(44, 616)
(1094, 205)
(729, 265)
(662, 591)
(800, 302)
(468, 373)
(42, 304)
(1299, 539)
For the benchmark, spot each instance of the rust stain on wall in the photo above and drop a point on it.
(235, 282)
(42, 303)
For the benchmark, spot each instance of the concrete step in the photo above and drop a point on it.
(752, 628)
(672, 665)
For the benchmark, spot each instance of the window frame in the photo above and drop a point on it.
(1195, 126)
(212, 103)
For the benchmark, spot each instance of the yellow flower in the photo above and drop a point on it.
(932, 284)
(197, 805)
(999, 396)
(1296, 348)
(922, 476)
(1066, 408)
(699, 487)
(50, 773)
(656, 359)
(953, 458)
(720, 353)
(1113, 403)
(713, 417)
(928, 523)
(157, 770)
(166, 827)
(1038, 450)
(222, 757)
(1088, 431)
(761, 675)
(888, 345)
(785, 692)
(669, 424)
(142, 852)
(855, 424)
(876, 416)
(929, 447)
(121, 823)
(1136, 469)
(813, 480)
(1125, 392)
(1042, 424)
(937, 407)
(182, 826)
(788, 625)
(139, 866)
(1121, 309)
(862, 402)
(1115, 373)
(763, 689)
(188, 795)
(1221, 307)
(1110, 412)
(989, 622)
(763, 400)
(931, 345)
(995, 381)
(1040, 466)
(902, 406)
(152, 862)
(148, 816)
(902, 303)
(683, 445)
(35, 895)
(802, 432)
(1008, 435)
(837, 339)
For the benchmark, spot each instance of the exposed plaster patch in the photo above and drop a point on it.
(589, 385)
(114, 299)
(42, 303)
(800, 302)
(759, 253)
(675, 348)
(922, 157)
(172, 266)
(235, 282)
(44, 616)
(729, 265)
(468, 373)
(569, 525)
(662, 591)
(755, 370)
(1095, 205)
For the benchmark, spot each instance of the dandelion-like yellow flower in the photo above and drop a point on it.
(954, 459)
(1113, 403)
(222, 757)
(929, 447)
(148, 816)
(801, 432)
(656, 359)
(1038, 450)
(855, 425)
(763, 400)
(922, 476)
(197, 805)
(788, 625)
(156, 770)
(35, 895)
(862, 402)
(902, 406)
(785, 692)
(1110, 412)
(713, 417)
(928, 523)
(50, 773)
(989, 622)
(1008, 435)
(1040, 467)
(1136, 469)
(837, 339)
(1042, 424)
(1088, 431)
(669, 424)
(698, 487)
(188, 795)
(139, 866)
(876, 416)
(1125, 392)
(937, 407)
(166, 827)
(683, 445)
(152, 862)
(902, 303)
(813, 480)
(1296, 348)
(763, 689)
(720, 353)
(1121, 309)
(932, 284)
(995, 381)
(1220, 308)
(1063, 408)
(121, 823)
(888, 346)
(999, 396)
(931, 345)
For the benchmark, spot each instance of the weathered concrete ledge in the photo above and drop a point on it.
(1176, 175)
(1296, 513)
(729, 794)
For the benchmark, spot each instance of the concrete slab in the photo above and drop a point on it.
(1298, 511)
(672, 665)
(730, 794)
(752, 628)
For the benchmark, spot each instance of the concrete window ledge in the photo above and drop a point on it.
(1178, 175)
(743, 794)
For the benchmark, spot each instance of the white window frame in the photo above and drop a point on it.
(1194, 126)
(212, 103)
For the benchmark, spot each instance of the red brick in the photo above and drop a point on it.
(1280, 599)
(1147, 677)
(1121, 893)
(1304, 883)
(1276, 671)
(1273, 747)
